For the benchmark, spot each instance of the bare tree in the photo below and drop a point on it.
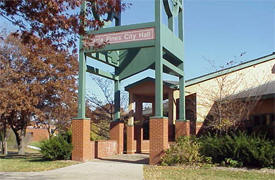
(102, 106)
(230, 98)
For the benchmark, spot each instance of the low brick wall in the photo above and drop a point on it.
(38, 134)
(105, 148)
(92, 149)
(135, 145)
(145, 146)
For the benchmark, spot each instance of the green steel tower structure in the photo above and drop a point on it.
(131, 49)
(157, 47)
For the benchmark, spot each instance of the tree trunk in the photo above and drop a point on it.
(4, 142)
(21, 147)
(5, 146)
(20, 143)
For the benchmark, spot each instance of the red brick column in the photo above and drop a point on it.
(116, 133)
(158, 138)
(130, 140)
(139, 138)
(82, 150)
(182, 128)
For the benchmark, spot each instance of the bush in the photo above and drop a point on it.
(56, 148)
(231, 163)
(184, 151)
(239, 149)
(68, 136)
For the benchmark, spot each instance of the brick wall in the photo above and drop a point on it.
(145, 147)
(135, 145)
(131, 149)
(38, 134)
(105, 148)
(116, 133)
(92, 149)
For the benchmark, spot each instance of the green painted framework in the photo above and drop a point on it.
(164, 54)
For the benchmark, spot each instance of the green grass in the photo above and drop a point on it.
(36, 143)
(177, 173)
(31, 162)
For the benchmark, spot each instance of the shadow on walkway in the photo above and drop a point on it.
(129, 158)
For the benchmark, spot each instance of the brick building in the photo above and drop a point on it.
(252, 79)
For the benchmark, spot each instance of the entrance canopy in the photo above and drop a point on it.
(146, 88)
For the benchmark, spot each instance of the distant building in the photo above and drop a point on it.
(38, 133)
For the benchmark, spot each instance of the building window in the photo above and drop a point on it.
(273, 69)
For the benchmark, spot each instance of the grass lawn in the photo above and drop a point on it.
(31, 162)
(36, 143)
(172, 172)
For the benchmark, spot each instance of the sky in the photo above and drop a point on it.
(215, 31)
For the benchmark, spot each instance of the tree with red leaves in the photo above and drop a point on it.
(37, 72)
(57, 22)
(37, 84)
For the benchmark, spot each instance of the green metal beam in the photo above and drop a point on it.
(105, 58)
(180, 26)
(134, 61)
(81, 75)
(172, 43)
(117, 101)
(172, 67)
(171, 23)
(101, 73)
(180, 4)
(182, 116)
(123, 28)
(158, 61)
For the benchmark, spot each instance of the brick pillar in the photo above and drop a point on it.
(139, 138)
(182, 128)
(116, 133)
(130, 140)
(158, 139)
(82, 150)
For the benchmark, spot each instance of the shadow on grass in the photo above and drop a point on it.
(28, 156)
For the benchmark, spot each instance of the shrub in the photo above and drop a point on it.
(232, 163)
(239, 149)
(67, 136)
(184, 151)
(56, 148)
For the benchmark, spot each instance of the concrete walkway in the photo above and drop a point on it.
(114, 168)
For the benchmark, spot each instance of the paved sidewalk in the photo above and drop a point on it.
(128, 167)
